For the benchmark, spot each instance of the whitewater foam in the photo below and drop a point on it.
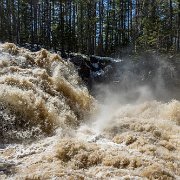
(51, 127)
(43, 93)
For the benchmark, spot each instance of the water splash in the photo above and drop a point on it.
(43, 99)
(40, 91)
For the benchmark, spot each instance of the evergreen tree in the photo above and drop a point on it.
(99, 27)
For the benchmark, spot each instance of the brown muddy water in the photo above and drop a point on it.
(52, 128)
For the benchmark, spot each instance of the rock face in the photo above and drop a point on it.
(93, 68)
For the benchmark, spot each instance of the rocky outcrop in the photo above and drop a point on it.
(155, 71)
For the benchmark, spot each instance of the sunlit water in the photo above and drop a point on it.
(51, 128)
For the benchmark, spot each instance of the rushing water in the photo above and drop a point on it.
(51, 128)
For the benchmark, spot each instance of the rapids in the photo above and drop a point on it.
(52, 128)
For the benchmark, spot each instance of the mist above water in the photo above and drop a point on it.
(150, 80)
(146, 77)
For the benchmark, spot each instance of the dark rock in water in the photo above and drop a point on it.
(149, 69)
(77, 59)
(93, 68)
(102, 60)
(7, 168)
(32, 47)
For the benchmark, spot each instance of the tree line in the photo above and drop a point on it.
(100, 27)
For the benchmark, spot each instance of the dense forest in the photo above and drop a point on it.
(101, 27)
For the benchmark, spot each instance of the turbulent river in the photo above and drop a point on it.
(52, 128)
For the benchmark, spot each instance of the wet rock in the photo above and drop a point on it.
(7, 167)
